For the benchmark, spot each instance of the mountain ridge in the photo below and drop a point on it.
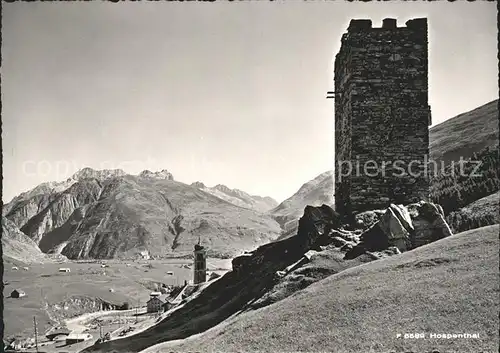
(238, 197)
(107, 214)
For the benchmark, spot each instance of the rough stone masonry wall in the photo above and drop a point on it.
(382, 115)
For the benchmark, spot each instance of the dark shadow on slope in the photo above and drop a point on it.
(220, 300)
(253, 275)
(59, 235)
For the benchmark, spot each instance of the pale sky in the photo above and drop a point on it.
(229, 93)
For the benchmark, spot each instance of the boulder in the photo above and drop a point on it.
(316, 222)
(365, 219)
(310, 254)
(327, 247)
(399, 227)
(347, 247)
(403, 215)
(388, 231)
(374, 238)
(397, 234)
(392, 250)
(356, 251)
(429, 223)
(338, 241)
(302, 261)
(280, 274)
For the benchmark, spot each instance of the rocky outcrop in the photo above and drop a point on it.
(429, 222)
(198, 184)
(365, 219)
(162, 175)
(89, 173)
(316, 222)
(404, 228)
(397, 232)
(314, 230)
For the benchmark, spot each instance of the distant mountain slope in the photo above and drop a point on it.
(105, 214)
(357, 311)
(59, 210)
(165, 217)
(18, 246)
(465, 134)
(238, 197)
(315, 193)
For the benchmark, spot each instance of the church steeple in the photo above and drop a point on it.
(200, 263)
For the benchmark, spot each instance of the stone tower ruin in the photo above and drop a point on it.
(382, 116)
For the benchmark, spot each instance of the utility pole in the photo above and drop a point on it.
(36, 334)
(136, 310)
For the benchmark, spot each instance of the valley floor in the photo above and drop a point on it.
(51, 296)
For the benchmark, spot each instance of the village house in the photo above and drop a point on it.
(213, 276)
(17, 293)
(78, 337)
(156, 302)
(57, 334)
(178, 296)
(144, 255)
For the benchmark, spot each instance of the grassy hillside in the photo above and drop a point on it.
(465, 134)
(450, 286)
(482, 212)
(472, 136)
(461, 185)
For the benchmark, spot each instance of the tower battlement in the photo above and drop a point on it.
(360, 25)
